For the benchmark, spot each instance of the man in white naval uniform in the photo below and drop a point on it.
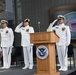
(64, 34)
(25, 31)
(7, 38)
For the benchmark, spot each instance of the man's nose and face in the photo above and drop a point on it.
(3, 25)
(61, 20)
(26, 24)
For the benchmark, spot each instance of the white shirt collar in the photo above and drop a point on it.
(27, 26)
(5, 28)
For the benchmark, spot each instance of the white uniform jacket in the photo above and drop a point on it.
(63, 32)
(7, 37)
(25, 34)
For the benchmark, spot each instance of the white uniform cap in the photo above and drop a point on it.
(60, 17)
(4, 21)
(27, 20)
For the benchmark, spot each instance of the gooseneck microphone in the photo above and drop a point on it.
(39, 26)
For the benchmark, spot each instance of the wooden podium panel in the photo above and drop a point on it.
(44, 37)
(48, 39)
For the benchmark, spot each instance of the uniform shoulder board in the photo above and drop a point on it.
(10, 28)
(31, 27)
(67, 26)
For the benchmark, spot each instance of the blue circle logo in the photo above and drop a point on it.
(42, 52)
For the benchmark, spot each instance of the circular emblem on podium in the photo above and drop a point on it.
(42, 52)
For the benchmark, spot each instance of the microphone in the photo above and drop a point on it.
(39, 26)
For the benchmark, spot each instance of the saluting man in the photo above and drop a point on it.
(64, 34)
(25, 31)
(7, 38)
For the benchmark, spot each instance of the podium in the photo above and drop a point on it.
(45, 65)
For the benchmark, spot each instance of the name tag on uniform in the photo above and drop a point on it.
(63, 29)
(7, 31)
(27, 30)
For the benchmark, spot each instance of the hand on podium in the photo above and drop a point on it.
(49, 30)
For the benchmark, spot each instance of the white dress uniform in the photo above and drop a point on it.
(7, 38)
(64, 34)
(25, 43)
